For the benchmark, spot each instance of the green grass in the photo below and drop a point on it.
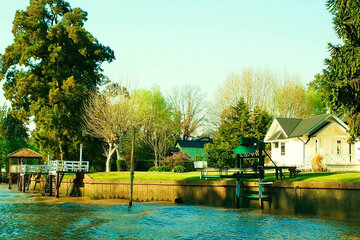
(191, 176)
(146, 175)
(328, 177)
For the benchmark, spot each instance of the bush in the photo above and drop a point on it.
(318, 163)
(179, 169)
(189, 166)
(164, 169)
(153, 169)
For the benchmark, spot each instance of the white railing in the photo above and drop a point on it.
(33, 168)
(69, 166)
(15, 168)
(341, 159)
(54, 166)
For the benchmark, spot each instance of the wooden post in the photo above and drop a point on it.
(18, 174)
(260, 194)
(23, 183)
(9, 175)
(132, 168)
(81, 146)
(57, 179)
(20, 182)
(237, 195)
(50, 184)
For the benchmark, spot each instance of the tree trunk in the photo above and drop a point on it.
(156, 158)
(117, 152)
(108, 162)
(108, 157)
(61, 153)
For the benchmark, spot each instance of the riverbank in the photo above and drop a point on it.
(335, 199)
(31, 216)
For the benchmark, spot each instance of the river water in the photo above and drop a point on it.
(31, 216)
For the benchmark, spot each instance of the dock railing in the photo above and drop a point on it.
(52, 168)
(69, 166)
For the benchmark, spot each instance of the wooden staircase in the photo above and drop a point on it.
(52, 183)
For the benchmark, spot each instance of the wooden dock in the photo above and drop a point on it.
(53, 172)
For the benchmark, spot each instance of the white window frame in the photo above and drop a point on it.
(282, 146)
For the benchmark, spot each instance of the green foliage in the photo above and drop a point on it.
(13, 135)
(50, 69)
(164, 169)
(189, 166)
(160, 123)
(120, 165)
(177, 159)
(160, 169)
(315, 101)
(238, 121)
(339, 83)
(179, 169)
(153, 169)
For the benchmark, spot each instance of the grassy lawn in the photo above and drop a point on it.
(146, 175)
(191, 176)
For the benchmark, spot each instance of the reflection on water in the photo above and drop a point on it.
(23, 216)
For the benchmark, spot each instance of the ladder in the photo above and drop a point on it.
(51, 184)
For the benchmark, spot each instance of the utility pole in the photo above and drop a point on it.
(132, 168)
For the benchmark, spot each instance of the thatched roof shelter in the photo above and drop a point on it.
(24, 153)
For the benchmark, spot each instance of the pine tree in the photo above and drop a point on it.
(339, 82)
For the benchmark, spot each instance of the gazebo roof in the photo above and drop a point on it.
(24, 153)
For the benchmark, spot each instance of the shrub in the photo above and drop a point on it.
(92, 169)
(189, 166)
(179, 169)
(164, 169)
(153, 169)
(318, 163)
(179, 158)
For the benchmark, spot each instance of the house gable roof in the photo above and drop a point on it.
(288, 124)
(307, 125)
(297, 127)
(277, 136)
(192, 143)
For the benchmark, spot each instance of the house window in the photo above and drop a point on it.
(316, 145)
(338, 147)
(282, 149)
(276, 144)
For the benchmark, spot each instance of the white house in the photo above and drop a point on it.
(295, 141)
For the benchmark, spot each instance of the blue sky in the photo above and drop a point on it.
(172, 43)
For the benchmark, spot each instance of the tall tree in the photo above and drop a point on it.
(13, 134)
(161, 124)
(290, 99)
(238, 121)
(109, 117)
(50, 69)
(189, 102)
(339, 82)
(257, 88)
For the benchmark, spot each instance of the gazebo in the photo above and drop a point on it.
(21, 155)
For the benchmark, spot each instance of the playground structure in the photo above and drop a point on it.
(250, 164)
(53, 171)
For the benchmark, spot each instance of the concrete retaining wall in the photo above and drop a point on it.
(316, 198)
